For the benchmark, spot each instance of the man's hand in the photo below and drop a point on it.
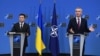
(27, 34)
(91, 28)
(71, 30)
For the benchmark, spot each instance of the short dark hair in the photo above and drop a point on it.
(22, 14)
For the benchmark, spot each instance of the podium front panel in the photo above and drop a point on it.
(76, 45)
(76, 42)
(16, 41)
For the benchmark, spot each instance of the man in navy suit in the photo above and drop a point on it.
(78, 25)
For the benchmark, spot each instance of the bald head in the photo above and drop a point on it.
(78, 12)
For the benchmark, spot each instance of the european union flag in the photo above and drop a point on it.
(54, 43)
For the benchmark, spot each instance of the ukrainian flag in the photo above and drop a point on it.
(39, 42)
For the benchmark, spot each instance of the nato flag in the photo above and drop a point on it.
(54, 43)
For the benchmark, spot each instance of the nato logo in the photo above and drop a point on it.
(17, 39)
(76, 39)
(54, 31)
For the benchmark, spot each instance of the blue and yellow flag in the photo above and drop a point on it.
(39, 42)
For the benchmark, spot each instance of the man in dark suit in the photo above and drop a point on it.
(21, 26)
(78, 25)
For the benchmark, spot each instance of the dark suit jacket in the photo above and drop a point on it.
(83, 27)
(26, 29)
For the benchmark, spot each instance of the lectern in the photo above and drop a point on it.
(80, 44)
(12, 45)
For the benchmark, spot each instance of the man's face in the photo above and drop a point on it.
(21, 18)
(78, 12)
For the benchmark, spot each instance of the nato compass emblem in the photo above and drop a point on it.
(54, 31)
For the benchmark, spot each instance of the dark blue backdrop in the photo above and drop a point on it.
(64, 8)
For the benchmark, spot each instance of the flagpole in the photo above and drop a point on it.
(40, 1)
(54, 1)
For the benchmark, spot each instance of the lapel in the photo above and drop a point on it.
(23, 25)
(76, 25)
(19, 26)
(81, 22)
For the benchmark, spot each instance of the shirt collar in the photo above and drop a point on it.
(78, 18)
(21, 22)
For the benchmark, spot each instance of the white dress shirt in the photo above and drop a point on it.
(78, 18)
(21, 24)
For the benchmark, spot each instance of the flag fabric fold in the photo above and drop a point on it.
(53, 42)
(39, 44)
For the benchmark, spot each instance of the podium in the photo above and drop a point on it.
(80, 45)
(11, 37)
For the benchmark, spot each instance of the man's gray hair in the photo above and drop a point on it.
(79, 8)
